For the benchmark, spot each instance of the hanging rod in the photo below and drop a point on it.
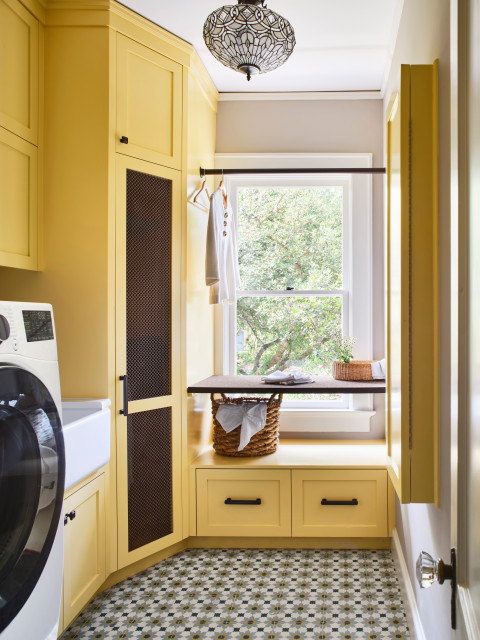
(227, 172)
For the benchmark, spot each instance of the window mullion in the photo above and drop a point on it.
(293, 293)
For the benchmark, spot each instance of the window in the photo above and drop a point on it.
(304, 248)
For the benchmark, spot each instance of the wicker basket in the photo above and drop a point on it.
(262, 443)
(354, 370)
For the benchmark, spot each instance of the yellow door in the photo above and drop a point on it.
(149, 104)
(84, 556)
(412, 286)
(243, 502)
(19, 70)
(18, 202)
(148, 220)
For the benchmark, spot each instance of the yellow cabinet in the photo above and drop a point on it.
(339, 503)
(149, 104)
(19, 70)
(18, 201)
(412, 350)
(148, 358)
(243, 502)
(84, 556)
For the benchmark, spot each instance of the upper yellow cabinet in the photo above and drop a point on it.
(149, 104)
(412, 285)
(19, 70)
(18, 202)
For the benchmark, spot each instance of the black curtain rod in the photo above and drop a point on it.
(227, 172)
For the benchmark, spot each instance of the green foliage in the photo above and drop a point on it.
(289, 237)
(341, 349)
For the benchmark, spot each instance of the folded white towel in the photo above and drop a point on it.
(379, 369)
(251, 416)
(281, 377)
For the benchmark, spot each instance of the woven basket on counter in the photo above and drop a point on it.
(262, 443)
(354, 370)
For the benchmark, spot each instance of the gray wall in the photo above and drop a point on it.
(317, 126)
(424, 36)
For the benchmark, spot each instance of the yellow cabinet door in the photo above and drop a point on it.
(18, 202)
(339, 503)
(149, 104)
(148, 358)
(412, 286)
(19, 70)
(84, 556)
(243, 502)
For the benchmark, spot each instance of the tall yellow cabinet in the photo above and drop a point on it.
(115, 126)
(412, 285)
(21, 41)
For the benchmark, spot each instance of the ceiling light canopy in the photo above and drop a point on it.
(248, 37)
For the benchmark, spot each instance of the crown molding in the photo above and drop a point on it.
(203, 79)
(301, 96)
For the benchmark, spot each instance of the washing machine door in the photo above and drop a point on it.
(32, 478)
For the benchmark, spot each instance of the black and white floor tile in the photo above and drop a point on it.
(252, 594)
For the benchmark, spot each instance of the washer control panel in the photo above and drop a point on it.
(28, 329)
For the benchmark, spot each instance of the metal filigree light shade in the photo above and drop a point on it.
(248, 37)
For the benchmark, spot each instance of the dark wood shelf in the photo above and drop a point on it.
(254, 384)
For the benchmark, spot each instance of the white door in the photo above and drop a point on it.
(465, 513)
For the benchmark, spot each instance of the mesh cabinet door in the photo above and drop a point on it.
(148, 374)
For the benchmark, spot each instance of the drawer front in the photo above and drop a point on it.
(314, 512)
(220, 497)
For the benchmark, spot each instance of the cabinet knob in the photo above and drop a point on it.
(69, 516)
(124, 139)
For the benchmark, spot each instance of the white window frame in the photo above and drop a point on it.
(355, 412)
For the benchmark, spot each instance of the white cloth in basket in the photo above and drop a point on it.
(379, 369)
(251, 416)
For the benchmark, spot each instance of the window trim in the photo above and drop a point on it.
(357, 273)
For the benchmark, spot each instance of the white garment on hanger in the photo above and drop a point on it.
(221, 263)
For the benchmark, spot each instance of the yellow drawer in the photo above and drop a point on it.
(219, 512)
(367, 518)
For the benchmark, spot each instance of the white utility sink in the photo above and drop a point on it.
(86, 430)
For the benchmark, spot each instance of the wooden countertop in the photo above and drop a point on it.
(253, 384)
(313, 454)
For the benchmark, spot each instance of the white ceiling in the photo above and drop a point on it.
(342, 45)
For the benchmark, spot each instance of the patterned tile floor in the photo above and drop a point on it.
(231, 594)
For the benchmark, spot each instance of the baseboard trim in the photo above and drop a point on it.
(224, 542)
(467, 611)
(408, 592)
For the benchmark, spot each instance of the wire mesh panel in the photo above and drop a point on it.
(150, 512)
(149, 288)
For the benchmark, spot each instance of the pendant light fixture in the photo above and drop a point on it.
(248, 37)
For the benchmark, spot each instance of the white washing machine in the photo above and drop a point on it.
(32, 474)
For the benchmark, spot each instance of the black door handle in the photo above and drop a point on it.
(124, 379)
(256, 501)
(329, 503)
(124, 139)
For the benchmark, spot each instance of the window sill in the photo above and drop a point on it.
(325, 420)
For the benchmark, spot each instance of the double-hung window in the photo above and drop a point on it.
(304, 256)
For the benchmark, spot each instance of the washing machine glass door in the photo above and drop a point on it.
(32, 477)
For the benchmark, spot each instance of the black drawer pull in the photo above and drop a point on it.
(256, 501)
(329, 503)
(124, 139)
